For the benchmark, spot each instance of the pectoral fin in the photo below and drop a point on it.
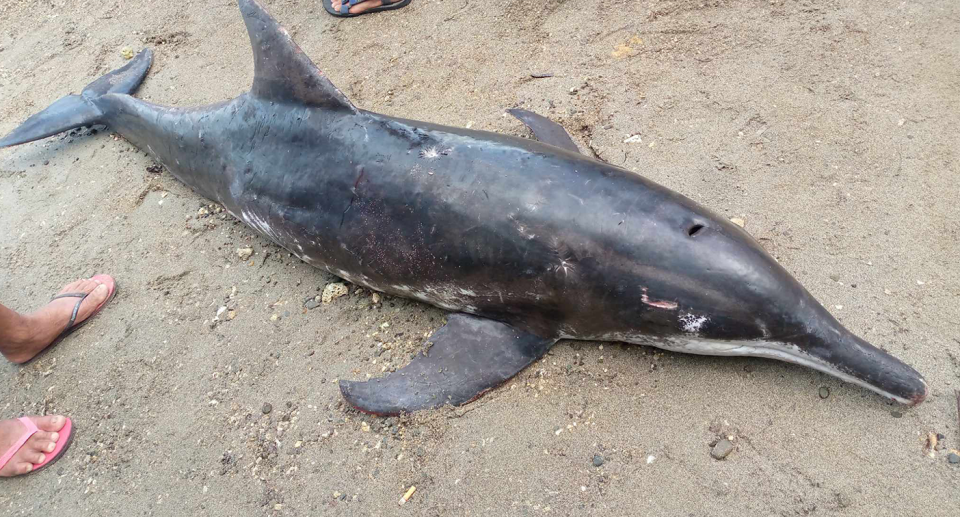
(468, 356)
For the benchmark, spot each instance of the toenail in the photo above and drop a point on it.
(55, 436)
(57, 420)
(51, 446)
(29, 467)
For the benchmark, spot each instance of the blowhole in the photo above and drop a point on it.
(694, 229)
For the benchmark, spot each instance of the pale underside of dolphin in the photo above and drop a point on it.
(527, 241)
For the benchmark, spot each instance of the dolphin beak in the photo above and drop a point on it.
(852, 359)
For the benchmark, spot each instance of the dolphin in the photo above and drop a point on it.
(526, 241)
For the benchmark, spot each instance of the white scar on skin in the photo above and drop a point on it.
(432, 153)
(522, 230)
(692, 323)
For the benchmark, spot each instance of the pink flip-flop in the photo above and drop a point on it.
(106, 280)
(63, 443)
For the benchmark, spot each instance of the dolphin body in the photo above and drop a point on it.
(529, 242)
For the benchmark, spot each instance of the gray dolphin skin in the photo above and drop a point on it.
(527, 242)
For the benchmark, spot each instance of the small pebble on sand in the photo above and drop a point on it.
(953, 458)
(597, 460)
(722, 449)
(333, 291)
(267, 408)
(824, 392)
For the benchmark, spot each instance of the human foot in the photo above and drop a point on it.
(38, 330)
(38, 447)
(360, 8)
(336, 6)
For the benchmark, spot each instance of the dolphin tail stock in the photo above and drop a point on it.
(74, 111)
(464, 359)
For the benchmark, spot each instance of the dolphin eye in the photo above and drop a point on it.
(694, 229)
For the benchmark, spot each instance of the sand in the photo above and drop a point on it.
(830, 128)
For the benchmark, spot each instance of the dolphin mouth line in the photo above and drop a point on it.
(773, 350)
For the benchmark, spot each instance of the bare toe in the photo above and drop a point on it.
(49, 423)
(16, 469)
(72, 286)
(41, 442)
(98, 293)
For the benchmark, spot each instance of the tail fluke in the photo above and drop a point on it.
(74, 111)
(125, 79)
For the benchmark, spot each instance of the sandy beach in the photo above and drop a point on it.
(830, 129)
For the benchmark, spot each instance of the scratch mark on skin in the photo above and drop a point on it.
(763, 329)
(260, 224)
(563, 266)
(660, 304)
(575, 197)
(353, 198)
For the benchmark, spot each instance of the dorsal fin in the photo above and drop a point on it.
(546, 130)
(282, 72)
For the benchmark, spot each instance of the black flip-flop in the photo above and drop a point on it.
(344, 12)
(72, 325)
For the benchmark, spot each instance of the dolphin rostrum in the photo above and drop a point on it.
(527, 241)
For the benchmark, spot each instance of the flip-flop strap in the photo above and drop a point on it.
(76, 308)
(347, 4)
(12, 451)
